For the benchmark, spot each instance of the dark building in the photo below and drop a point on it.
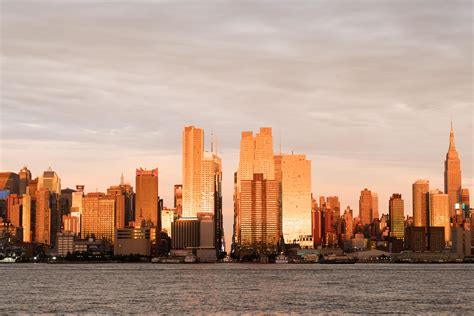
(185, 234)
(10, 181)
(416, 238)
(436, 241)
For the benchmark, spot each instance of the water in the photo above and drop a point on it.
(236, 288)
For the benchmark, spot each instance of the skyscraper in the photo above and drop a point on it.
(452, 174)
(119, 197)
(26, 218)
(43, 217)
(439, 212)
(50, 180)
(25, 178)
(259, 214)
(375, 206)
(178, 198)
(420, 197)
(146, 201)
(296, 197)
(211, 175)
(98, 216)
(397, 216)
(365, 207)
(193, 148)
(257, 209)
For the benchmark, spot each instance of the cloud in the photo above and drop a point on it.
(367, 84)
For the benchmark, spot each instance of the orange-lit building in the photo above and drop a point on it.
(452, 174)
(259, 213)
(439, 212)
(43, 217)
(296, 197)
(421, 197)
(24, 178)
(14, 207)
(397, 216)
(365, 207)
(98, 216)
(146, 200)
(193, 149)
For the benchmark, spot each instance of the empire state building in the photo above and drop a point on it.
(452, 174)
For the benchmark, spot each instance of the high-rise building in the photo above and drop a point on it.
(397, 216)
(259, 214)
(375, 205)
(14, 205)
(167, 217)
(10, 181)
(211, 176)
(452, 174)
(332, 203)
(26, 218)
(193, 148)
(257, 209)
(178, 198)
(50, 180)
(365, 207)
(420, 197)
(439, 212)
(98, 216)
(146, 200)
(24, 178)
(43, 217)
(119, 196)
(349, 221)
(466, 205)
(296, 197)
(316, 224)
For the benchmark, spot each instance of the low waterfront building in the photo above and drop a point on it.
(132, 241)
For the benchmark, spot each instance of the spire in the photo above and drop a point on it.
(122, 182)
(451, 138)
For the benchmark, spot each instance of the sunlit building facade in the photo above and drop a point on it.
(26, 218)
(439, 212)
(193, 149)
(24, 178)
(397, 216)
(365, 207)
(259, 214)
(98, 216)
(420, 197)
(452, 174)
(146, 200)
(50, 180)
(296, 197)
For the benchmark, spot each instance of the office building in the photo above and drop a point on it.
(397, 216)
(98, 216)
(10, 181)
(24, 178)
(452, 174)
(193, 149)
(296, 197)
(439, 212)
(146, 199)
(132, 241)
(50, 181)
(420, 197)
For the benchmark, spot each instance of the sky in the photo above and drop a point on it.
(366, 89)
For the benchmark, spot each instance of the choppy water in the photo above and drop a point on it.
(236, 288)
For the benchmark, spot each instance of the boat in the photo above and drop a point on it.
(190, 259)
(9, 260)
(333, 259)
(167, 260)
(281, 258)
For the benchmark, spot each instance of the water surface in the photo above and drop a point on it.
(236, 288)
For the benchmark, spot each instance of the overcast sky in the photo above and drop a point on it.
(365, 88)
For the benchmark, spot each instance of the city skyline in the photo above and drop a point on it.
(381, 111)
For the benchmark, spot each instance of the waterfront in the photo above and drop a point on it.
(240, 288)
